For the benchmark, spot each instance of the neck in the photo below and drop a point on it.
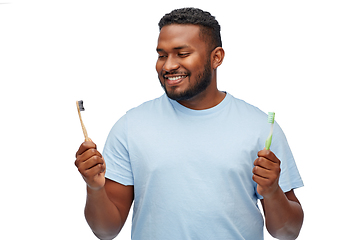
(204, 100)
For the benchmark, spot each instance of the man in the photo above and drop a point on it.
(193, 160)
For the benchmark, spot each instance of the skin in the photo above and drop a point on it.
(283, 212)
(108, 203)
(184, 54)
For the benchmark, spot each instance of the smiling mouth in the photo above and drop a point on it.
(174, 80)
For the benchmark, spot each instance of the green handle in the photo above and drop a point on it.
(268, 142)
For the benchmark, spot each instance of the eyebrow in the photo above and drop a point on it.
(176, 48)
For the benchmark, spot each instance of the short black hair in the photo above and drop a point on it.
(209, 26)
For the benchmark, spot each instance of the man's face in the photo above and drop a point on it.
(183, 64)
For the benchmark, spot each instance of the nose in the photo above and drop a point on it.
(170, 64)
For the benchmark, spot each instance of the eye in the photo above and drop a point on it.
(162, 56)
(183, 54)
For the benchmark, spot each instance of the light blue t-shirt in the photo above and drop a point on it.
(192, 169)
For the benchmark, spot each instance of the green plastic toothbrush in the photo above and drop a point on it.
(271, 116)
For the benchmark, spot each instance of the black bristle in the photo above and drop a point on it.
(81, 107)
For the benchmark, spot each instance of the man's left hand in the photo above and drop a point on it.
(266, 173)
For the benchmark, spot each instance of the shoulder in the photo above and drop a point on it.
(136, 119)
(150, 107)
(144, 116)
(247, 110)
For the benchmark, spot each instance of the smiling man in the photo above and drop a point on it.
(193, 160)
(184, 65)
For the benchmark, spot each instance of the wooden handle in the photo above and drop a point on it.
(81, 122)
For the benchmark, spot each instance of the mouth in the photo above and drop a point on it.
(174, 79)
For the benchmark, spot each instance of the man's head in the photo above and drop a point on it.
(189, 48)
(209, 26)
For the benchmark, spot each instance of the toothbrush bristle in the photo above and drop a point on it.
(271, 117)
(81, 107)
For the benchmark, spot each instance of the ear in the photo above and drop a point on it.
(217, 56)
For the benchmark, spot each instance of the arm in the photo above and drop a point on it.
(108, 203)
(284, 215)
(283, 212)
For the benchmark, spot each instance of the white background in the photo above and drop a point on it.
(296, 58)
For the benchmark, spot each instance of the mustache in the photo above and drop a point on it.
(164, 73)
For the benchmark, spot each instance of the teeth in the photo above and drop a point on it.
(175, 78)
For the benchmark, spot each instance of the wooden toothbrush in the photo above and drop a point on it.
(80, 108)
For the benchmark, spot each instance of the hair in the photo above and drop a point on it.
(209, 26)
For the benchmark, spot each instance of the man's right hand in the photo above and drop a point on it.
(91, 165)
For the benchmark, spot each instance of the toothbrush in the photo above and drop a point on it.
(271, 116)
(80, 108)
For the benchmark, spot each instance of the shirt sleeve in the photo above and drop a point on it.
(116, 154)
(289, 178)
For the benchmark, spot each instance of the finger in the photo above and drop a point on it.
(92, 172)
(90, 163)
(103, 168)
(259, 180)
(91, 152)
(264, 163)
(85, 146)
(261, 172)
(86, 156)
(269, 155)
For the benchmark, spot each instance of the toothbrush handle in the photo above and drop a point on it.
(83, 127)
(269, 139)
(268, 142)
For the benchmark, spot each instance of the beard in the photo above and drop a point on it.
(203, 81)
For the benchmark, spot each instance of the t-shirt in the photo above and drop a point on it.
(192, 169)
